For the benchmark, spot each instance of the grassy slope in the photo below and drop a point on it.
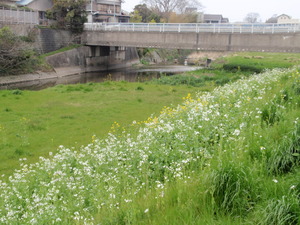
(74, 113)
(226, 157)
(34, 123)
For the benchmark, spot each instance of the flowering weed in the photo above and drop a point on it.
(129, 176)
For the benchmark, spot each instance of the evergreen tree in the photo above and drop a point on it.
(69, 14)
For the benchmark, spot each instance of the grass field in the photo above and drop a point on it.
(71, 115)
(228, 156)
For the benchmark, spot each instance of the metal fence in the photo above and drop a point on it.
(16, 16)
(195, 27)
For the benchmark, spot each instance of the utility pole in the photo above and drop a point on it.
(92, 11)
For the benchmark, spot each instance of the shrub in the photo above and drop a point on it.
(139, 88)
(16, 55)
(17, 92)
(180, 80)
(233, 67)
(222, 81)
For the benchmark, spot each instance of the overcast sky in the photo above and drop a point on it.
(236, 10)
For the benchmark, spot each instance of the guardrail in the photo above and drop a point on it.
(194, 27)
(16, 16)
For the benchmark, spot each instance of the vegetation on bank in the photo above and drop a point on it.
(226, 157)
(70, 115)
(230, 156)
(231, 68)
(17, 56)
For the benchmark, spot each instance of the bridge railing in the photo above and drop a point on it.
(194, 27)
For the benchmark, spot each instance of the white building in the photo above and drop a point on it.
(286, 19)
(106, 11)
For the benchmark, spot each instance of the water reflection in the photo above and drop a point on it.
(129, 74)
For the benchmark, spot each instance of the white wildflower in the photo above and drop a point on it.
(236, 132)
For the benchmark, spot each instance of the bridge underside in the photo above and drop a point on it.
(279, 42)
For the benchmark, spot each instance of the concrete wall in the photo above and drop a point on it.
(82, 59)
(279, 42)
(46, 40)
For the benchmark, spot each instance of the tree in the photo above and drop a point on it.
(273, 19)
(16, 56)
(135, 17)
(183, 18)
(252, 17)
(69, 14)
(146, 13)
(165, 8)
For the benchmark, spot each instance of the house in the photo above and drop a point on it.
(286, 19)
(9, 2)
(214, 18)
(106, 11)
(191, 10)
(37, 5)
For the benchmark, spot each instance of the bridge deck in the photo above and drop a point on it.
(194, 27)
(204, 37)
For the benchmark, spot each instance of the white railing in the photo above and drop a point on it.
(16, 16)
(194, 27)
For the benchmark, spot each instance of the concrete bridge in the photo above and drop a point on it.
(203, 37)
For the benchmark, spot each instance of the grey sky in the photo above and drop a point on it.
(236, 10)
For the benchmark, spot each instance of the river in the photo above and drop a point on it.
(125, 74)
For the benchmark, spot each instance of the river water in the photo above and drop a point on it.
(125, 74)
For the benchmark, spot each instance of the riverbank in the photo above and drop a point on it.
(37, 80)
(76, 61)
(73, 75)
(167, 164)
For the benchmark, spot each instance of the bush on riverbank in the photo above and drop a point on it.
(17, 57)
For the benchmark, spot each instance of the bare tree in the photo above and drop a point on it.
(252, 17)
(15, 55)
(164, 8)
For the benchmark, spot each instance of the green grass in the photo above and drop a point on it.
(229, 156)
(70, 115)
(231, 68)
(258, 61)
(206, 161)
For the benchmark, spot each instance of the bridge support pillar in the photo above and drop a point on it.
(110, 57)
(96, 51)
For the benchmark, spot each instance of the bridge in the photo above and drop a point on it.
(203, 37)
